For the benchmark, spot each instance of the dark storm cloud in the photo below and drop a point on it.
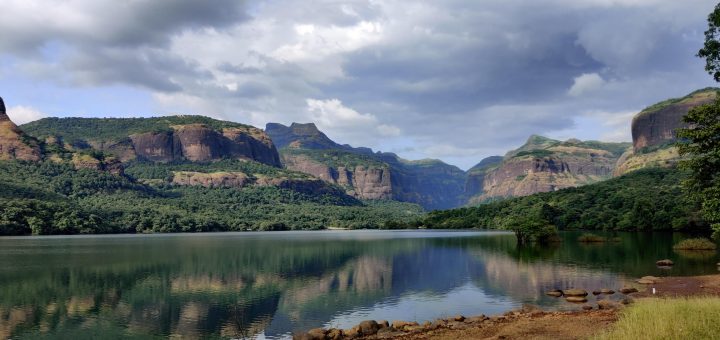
(453, 79)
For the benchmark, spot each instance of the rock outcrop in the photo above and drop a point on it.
(14, 144)
(654, 132)
(476, 175)
(656, 124)
(543, 165)
(366, 174)
(161, 139)
(238, 180)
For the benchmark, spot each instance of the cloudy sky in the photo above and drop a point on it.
(457, 80)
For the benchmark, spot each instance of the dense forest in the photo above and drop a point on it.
(644, 200)
(54, 198)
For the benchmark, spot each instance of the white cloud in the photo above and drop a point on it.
(24, 114)
(337, 119)
(586, 82)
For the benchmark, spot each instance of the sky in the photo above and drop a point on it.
(447, 79)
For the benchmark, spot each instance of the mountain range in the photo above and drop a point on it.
(191, 151)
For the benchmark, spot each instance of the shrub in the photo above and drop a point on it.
(591, 238)
(695, 244)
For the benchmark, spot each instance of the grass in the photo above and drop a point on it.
(695, 244)
(592, 238)
(678, 318)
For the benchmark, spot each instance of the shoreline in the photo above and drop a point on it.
(530, 321)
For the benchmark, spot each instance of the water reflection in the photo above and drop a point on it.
(248, 285)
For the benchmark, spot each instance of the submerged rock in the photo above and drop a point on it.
(576, 299)
(628, 290)
(555, 293)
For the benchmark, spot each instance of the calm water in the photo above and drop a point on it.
(235, 285)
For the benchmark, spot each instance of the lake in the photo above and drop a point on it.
(268, 285)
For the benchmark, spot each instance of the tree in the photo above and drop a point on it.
(701, 141)
(711, 49)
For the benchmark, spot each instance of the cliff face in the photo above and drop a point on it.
(14, 144)
(543, 165)
(365, 174)
(476, 175)
(653, 131)
(162, 139)
(656, 124)
(361, 181)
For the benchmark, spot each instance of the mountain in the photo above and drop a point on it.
(14, 144)
(653, 132)
(476, 175)
(159, 139)
(541, 165)
(366, 174)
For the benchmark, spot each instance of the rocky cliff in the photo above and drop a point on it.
(366, 174)
(161, 139)
(544, 164)
(476, 175)
(656, 124)
(14, 144)
(653, 132)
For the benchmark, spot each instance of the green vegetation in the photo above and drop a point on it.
(73, 130)
(678, 318)
(54, 198)
(700, 142)
(591, 238)
(539, 153)
(665, 103)
(695, 244)
(337, 158)
(164, 171)
(644, 200)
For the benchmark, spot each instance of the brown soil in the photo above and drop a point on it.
(683, 286)
(534, 324)
(569, 325)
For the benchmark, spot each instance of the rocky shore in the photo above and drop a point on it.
(530, 321)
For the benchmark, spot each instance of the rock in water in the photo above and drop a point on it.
(607, 291)
(554, 293)
(578, 299)
(665, 263)
(628, 290)
(575, 292)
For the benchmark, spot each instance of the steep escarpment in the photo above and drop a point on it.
(160, 139)
(366, 174)
(654, 132)
(656, 124)
(14, 144)
(476, 175)
(543, 164)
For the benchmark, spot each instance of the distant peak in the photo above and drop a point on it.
(305, 126)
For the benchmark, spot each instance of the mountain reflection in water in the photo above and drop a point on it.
(240, 285)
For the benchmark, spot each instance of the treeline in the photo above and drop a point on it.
(644, 200)
(54, 198)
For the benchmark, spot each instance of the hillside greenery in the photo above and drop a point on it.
(644, 200)
(54, 198)
(336, 157)
(114, 129)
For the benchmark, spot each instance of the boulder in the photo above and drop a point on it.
(607, 291)
(334, 334)
(459, 318)
(575, 292)
(316, 334)
(628, 290)
(607, 304)
(576, 299)
(554, 293)
(645, 282)
(596, 292)
(351, 333)
(587, 307)
(401, 325)
(369, 327)
(665, 263)
(383, 324)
